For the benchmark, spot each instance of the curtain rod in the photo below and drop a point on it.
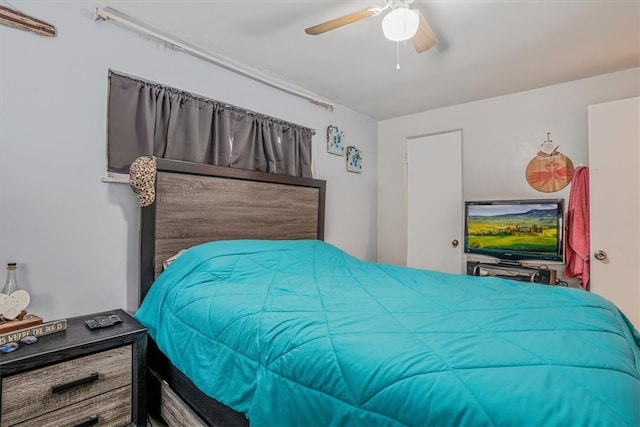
(109, 14)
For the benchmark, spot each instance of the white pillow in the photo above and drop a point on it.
(168, 261)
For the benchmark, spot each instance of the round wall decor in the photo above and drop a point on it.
(549, 172)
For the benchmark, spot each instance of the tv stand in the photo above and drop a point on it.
(513, 271)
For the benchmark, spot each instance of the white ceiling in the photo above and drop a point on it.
(485, 49)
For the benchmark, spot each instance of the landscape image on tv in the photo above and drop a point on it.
(519, 227)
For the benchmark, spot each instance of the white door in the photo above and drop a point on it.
(614, 160)
(434, 202)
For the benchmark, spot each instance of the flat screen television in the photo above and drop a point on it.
(515, 230)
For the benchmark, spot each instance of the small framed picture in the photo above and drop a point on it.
(335, 140)
(354, 160)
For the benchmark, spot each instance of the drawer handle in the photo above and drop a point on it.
(90, 422)
(60, 388)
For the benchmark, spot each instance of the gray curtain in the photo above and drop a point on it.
(146, 118)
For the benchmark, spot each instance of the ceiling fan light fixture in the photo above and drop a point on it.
(400, 24)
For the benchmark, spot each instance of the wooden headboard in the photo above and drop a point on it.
(198, 203)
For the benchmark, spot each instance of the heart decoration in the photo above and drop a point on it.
(12, 305)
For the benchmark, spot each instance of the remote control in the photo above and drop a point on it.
(103, 321)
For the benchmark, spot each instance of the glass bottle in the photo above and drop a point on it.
(10, 285)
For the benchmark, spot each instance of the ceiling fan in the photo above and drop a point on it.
(399, 24)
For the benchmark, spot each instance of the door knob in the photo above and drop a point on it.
(454, 243)
(600, 255)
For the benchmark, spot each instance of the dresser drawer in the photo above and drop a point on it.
(37, 392)
(174, 411)
(110, 409)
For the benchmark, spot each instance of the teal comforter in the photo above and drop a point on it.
(299, 333)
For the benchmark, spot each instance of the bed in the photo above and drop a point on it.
(261, 320)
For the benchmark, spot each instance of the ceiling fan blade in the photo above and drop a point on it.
(424, 39)
(342, 21)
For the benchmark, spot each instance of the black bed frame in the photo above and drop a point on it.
(160, 368)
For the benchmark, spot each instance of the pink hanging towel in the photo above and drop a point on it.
(577, 245)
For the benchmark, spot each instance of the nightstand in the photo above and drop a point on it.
(77, 377)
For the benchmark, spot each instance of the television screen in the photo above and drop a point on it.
(515, 229)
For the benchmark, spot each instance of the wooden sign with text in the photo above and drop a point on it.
(36, 331)
(13, 18)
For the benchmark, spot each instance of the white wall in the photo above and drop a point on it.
(75, 239)
(500, 136)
